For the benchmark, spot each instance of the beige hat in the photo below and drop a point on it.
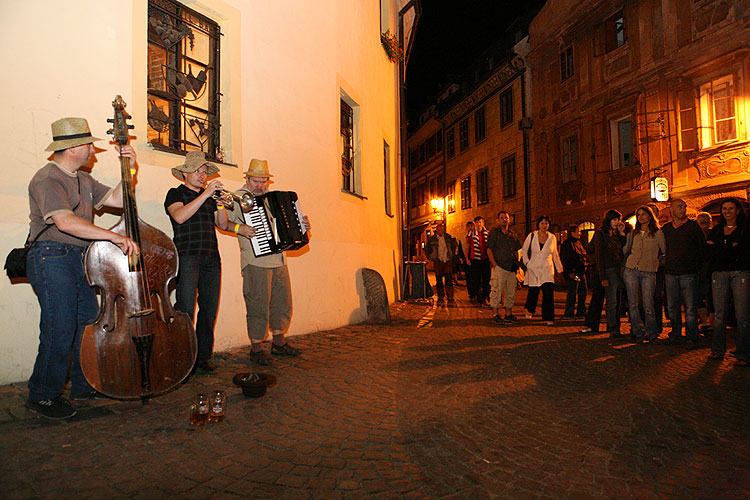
(193, 161)
(258, 168)
(69, 133)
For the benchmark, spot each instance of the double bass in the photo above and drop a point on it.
(138, 346)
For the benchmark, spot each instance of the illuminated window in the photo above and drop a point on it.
(717, 112)
(621, 140)
(483, 186)
(466, 192)
(508, 167)
(506, 107)
(450, 198)
(183, 79)
(710, 118)
(463, 135)
(566, 63)
(569, 158)
(479, 129)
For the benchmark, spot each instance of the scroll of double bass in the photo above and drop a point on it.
(139, 346)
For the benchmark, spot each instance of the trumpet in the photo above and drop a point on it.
(245, 200)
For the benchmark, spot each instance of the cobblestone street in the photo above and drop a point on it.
(441, 404)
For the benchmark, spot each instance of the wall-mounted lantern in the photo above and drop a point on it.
(438, 206)
(659, 189)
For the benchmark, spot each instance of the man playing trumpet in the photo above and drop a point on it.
(195, 214)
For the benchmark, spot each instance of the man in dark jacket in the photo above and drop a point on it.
(502, 251)
(574, 261)
(440, 249)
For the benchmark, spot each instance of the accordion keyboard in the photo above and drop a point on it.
(261, 242)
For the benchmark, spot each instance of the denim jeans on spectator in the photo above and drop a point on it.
(576, 289)
(67, 303)
(200, 276)
(682, 289)
(736, 283)
(613, 317)
(640, 286)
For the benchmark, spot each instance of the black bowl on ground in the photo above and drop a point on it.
(254, 385)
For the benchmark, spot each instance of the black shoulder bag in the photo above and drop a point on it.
(15, 262)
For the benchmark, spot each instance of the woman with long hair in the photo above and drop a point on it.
(642, 249)
(540, 255)
(729, 246)
(606, 258)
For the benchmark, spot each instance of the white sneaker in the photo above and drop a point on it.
(550, 323)
(528, 315)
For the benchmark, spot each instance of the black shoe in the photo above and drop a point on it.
(87, 396)
(496, 319)
(54, 409)
(692, 344)
(568, 316)
(284, 350)
(204, 368)
(260, 358)
(510, 319)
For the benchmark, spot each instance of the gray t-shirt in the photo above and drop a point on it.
(53, 190)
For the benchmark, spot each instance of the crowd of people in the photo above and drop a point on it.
(688, 267)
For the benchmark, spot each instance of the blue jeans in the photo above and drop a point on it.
(67, 303)
(682, 289)
(736, 283)
(640, 286)
(613, 317)
(201, 276)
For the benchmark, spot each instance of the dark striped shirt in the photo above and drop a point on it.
(197, 235)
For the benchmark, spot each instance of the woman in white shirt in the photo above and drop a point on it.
(540, 256)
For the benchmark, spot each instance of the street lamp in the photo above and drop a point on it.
(438, 205)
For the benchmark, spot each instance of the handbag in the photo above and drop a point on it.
(15, 262)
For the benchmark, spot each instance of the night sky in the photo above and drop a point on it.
(450, 35)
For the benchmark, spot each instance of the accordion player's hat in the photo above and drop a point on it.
(258, 168)
(69, 133)
(193, 161)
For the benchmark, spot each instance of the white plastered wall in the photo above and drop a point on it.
(283, 67)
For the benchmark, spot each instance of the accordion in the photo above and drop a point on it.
(278, 222)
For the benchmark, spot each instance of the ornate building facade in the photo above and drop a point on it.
(636, 96)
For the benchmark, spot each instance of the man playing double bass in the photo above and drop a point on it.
(64, 198)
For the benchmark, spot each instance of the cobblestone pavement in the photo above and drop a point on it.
(441, 404)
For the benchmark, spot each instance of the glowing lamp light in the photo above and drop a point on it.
(437, 204)
(659, 189)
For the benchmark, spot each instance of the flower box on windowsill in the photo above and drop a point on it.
(392, 46)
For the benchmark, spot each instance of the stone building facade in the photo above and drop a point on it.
(629, 92)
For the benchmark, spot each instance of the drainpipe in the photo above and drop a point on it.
(525, 124)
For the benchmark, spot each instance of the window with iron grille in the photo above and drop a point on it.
(483, 186)
(463, 135)
(566, 63)
(506, 107)
(466, 192)
(347, 140)
(508, 166)
(450, 143)
(450, 198)
(479, 130)
(183, 79)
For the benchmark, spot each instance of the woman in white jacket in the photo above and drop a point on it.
(540, 255)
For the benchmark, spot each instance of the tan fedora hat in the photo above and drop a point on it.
(258, 168)
(69, 133)
(193, 161)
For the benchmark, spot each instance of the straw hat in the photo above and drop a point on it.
(69, 133)
(193, 161)
(258, 168)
